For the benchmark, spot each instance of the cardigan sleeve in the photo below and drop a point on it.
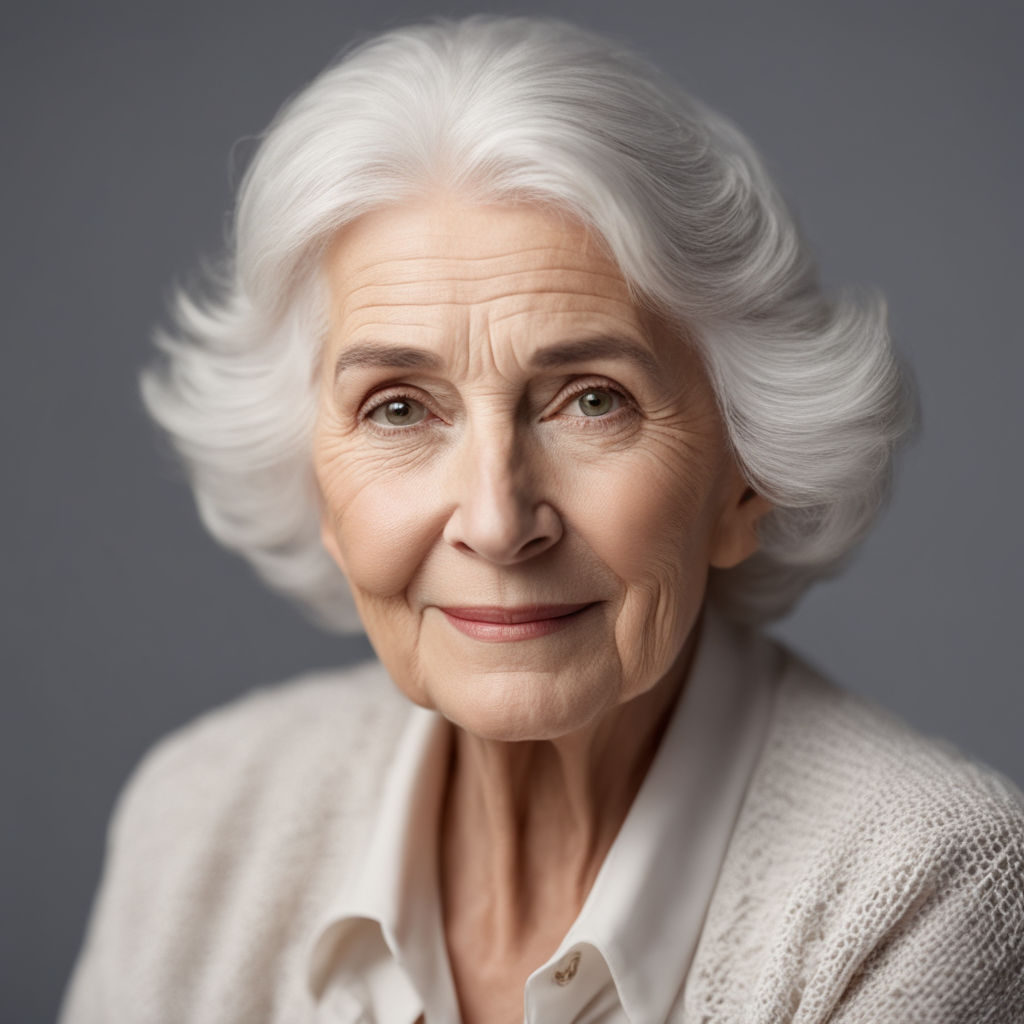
(957, 955)
(120, 926)
(81, 1003)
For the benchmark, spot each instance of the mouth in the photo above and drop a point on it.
(499, 624)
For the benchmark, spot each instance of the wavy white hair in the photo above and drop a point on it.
(532, 110)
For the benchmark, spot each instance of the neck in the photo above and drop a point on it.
(527, 825)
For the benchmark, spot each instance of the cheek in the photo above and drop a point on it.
(383, 520)
(653, 530)
(647, 520)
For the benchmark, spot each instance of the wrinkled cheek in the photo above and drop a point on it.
(648, 527)
(653, 538)
(384, 531)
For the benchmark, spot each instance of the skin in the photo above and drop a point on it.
(502, 464)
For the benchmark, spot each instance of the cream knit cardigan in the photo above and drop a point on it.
(873, 877)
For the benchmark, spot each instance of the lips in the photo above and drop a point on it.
(524, 622)
(524, 613)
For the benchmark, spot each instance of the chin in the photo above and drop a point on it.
(514, 707)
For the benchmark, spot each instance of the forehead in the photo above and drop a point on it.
(441, 252)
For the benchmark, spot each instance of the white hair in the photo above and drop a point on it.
(530, 109)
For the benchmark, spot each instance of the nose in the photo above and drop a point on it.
(499, 512)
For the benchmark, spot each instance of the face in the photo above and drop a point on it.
(524, 476)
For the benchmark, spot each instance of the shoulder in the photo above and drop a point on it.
(852, 768)
(874, 873)
(270, 745)
(267, 764)
(339, 698)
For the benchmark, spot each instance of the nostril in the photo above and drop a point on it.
(532, 545)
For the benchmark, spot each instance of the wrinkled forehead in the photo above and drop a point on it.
(442, 251)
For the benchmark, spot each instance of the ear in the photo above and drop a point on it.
(330, 543)
(735, 538)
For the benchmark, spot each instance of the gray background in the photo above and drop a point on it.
(893, 126)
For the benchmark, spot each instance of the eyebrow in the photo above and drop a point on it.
(374, 353)
(403, 357)
(597, 347)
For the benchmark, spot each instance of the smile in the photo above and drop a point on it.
(500, 625)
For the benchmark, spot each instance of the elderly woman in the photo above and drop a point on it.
(519, 352)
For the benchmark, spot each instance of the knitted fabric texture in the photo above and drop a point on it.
(873, 876)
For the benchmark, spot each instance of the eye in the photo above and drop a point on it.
(597, 402)
(398, 412)
(594, 402)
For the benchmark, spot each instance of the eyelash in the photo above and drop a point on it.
(568, 394)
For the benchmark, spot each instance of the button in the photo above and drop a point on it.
(570, 965)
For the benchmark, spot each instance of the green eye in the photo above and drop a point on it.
(596, 403)
(399, 412)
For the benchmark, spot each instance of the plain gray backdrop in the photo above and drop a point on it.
(893, 127)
